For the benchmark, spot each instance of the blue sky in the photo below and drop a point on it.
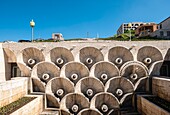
(74, 18)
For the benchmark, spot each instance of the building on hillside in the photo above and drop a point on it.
(145, 29)
(125, 26)
(163, 29)
(57, 36)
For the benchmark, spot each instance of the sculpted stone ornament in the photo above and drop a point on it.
(120, 87)
(37, 85)
(89, 61)
(45, 71)
(147, 61)
(105, 102)
(136, 72)
(118, 61)
(104, 77)
(75, 108)
(89, 112)
(149, 55)
(60, 92)
(74, 76)
(104, 108)
(51, 102)
(59, 87)
(31, 62)
(74, 103)
(31, 56)
(134, 76)
(61, 56)
(89, 86)
(74, 71)
(59, 61)
(90, 55)
(119, 92)
(104, 71)
(45, 76)
(119, 55)
(89, 92)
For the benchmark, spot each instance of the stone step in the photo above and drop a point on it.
(131, 113)
(57, 113)
(50, 113)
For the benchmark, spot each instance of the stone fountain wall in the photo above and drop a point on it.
(87, 77)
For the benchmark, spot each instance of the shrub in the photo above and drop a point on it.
(5, 110)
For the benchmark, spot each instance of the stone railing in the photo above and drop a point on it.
(12, 90)
(35, 107)
(145, 107)
(160, 87)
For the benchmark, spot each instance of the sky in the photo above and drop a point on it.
(75, 18)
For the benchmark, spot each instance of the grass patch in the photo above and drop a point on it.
(6, 110)
(124, 37)
(160, 102)
(74, 39)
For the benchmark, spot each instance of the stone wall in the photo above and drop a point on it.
(160, 87)
(16, 48)
(47, 63)
(2, 63)
(35, 107)
(146, 107)
(12, 90)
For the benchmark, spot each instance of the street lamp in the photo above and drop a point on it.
(130, 26)
(32, 24)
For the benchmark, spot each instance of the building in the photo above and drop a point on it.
(145, 29)
(126, 26)
(163, 29)
(57, 36)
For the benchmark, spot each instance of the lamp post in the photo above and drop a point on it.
(32, 24)
(130, 26)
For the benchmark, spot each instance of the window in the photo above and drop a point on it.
(136, 24)
(168, 33)
(15, 71)
(125, 24)
(160, 26)
(161, 33)
(164, 70)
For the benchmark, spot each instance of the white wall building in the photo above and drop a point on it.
(125, 26)
(57, 36)
(163, 29)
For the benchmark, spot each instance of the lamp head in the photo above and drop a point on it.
(32, 23)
